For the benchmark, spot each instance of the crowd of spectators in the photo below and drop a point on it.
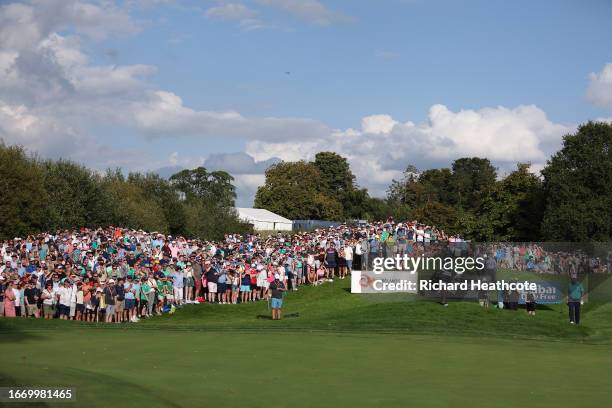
(118, 275)
(535, 257)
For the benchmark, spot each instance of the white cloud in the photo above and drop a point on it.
(599, 91)
(377, 124)
(49, 88)
(51, 93)
(246, 187)
(238, 163)
(173, 158)
(50, 75)
(52, 138)
(163, 114)
(22, 25)
(247, 17)
(311, 11)
(383, 147)
(230, 11)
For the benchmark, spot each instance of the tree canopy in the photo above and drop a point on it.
(53, 195)
(578, 187)
(570, 201)
(323, 189)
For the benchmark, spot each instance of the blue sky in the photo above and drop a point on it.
(147, 84)
(396, 57)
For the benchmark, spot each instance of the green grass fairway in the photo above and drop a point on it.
(342, 350)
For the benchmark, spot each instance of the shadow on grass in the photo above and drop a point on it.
(11, 332)
(286, 316)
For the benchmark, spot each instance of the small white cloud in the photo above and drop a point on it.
(377, 124)
(599, 91)
(311, 11)
(388, 55)
(246, 16)
(230, 11)
(173, 158)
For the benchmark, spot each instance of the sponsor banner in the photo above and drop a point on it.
(384, 282)
(547, 293)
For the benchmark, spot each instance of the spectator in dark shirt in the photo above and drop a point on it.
(31, 295)
(211, 278)
(277, 287)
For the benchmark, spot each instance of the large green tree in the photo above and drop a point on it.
(76, 197)
(514, 208)
(23, 206)
(335, 174)
(472, 180)
(158, 189)
(337, 182)
(292, 190)
(214, 187)
(52, 195)
(133, 208)
(578, 187)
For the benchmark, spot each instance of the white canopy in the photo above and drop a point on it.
(264, 220)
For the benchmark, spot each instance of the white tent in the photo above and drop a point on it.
(264, 220)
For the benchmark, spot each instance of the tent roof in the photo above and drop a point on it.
(259, 214)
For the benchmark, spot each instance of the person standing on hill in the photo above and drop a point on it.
(197, 276)
(365, 250)
(277, 287)
(575, 291)
(331, 260)
(9, 300)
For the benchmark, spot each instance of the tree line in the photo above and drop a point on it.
(50, 195)
(570, 201)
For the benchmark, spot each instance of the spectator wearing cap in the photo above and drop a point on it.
(49, 298)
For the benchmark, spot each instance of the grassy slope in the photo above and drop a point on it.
(331, 307)
(342, 349)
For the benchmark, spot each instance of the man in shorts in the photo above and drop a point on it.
(65, 298)
(277, 287)
(131, 289)
(110, 296)
(211, 277)
(49, 296)
(31, 296)
(120, 300)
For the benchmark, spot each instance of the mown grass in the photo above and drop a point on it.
(333, 349)
(331, 307)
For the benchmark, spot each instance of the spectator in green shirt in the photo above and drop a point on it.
(575, 291)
